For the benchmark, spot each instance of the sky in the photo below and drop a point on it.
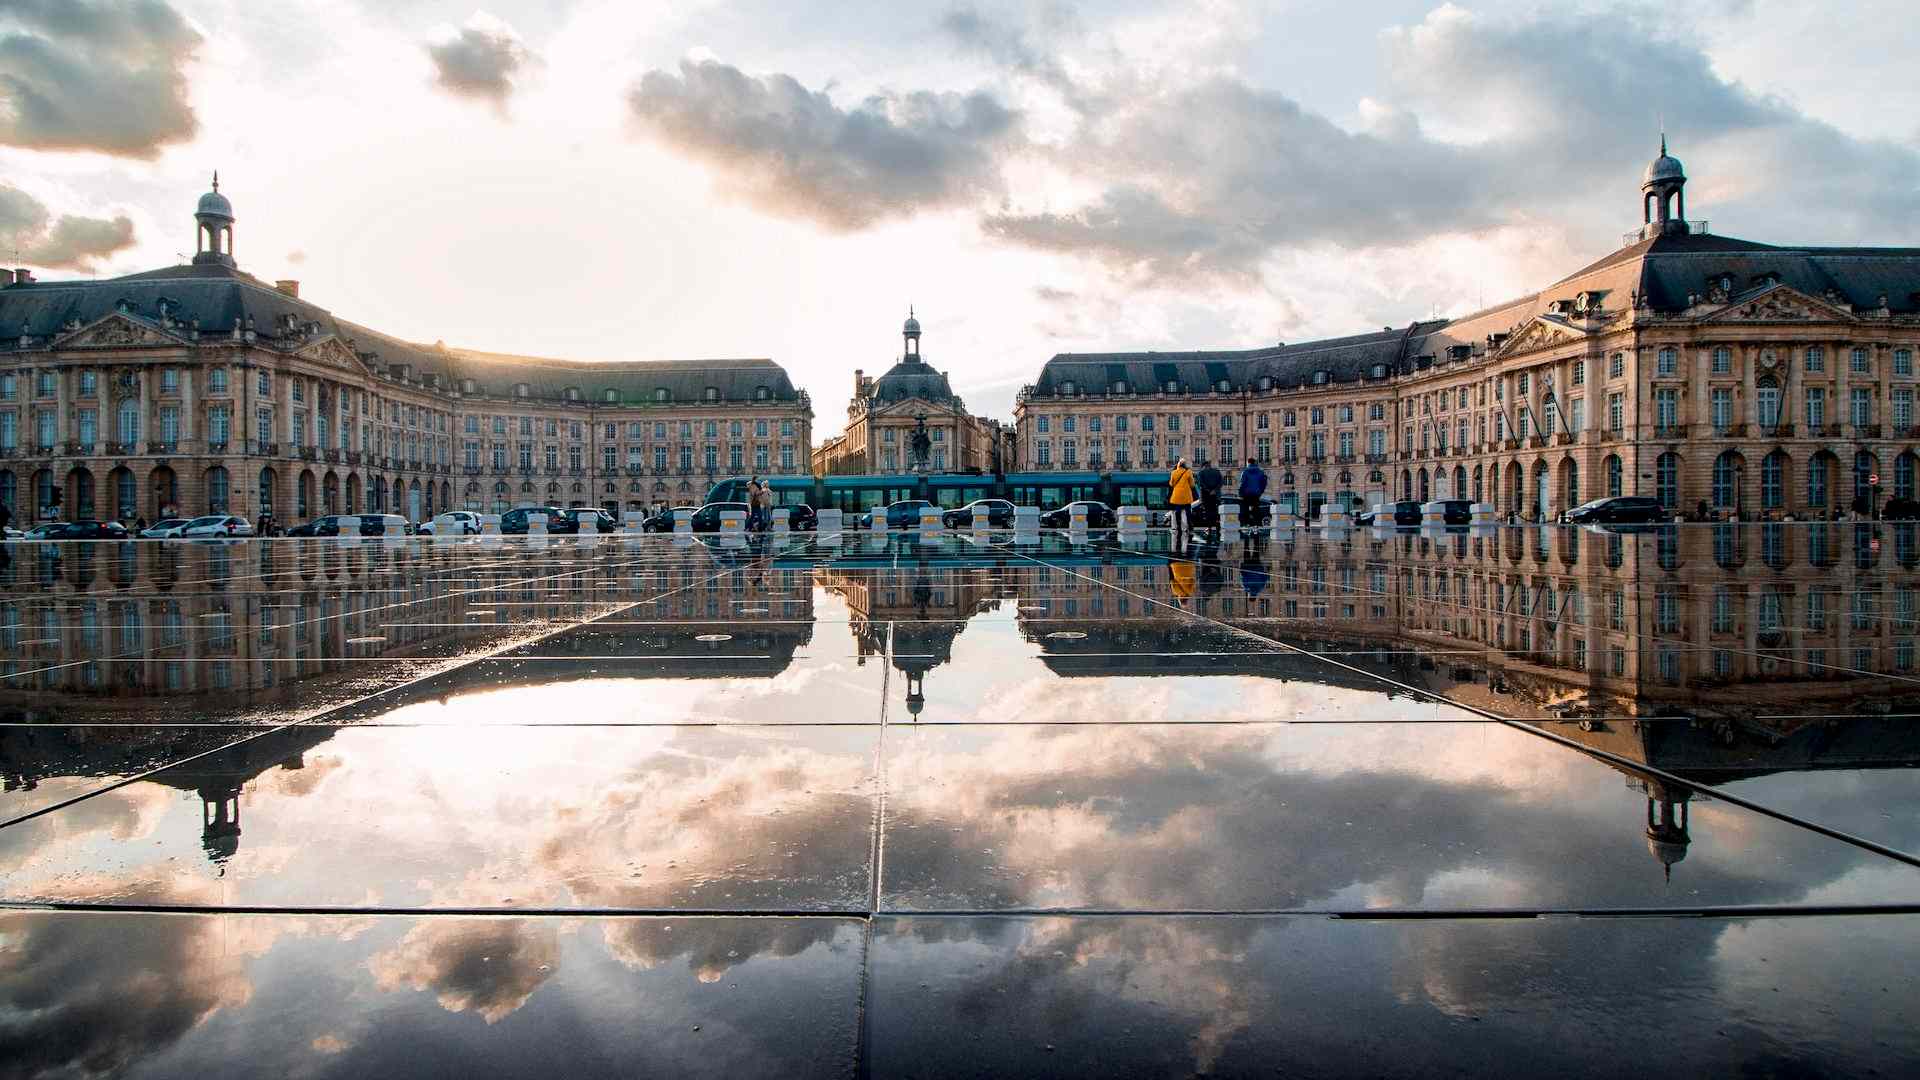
(621, 180)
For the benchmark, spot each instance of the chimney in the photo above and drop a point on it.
(6, 277)
(23, 276)
(288, 286)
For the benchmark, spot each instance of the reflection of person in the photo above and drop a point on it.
(1253, 573)
(1181, 571)
(1180, 497)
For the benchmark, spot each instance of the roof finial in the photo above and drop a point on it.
(1663, 144)
(216, 177)
(909, 311)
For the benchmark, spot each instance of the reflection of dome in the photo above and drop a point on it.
(1667, 851)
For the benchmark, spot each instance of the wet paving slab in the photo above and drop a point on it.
(1340, 803)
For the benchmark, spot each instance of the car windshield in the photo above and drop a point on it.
(215, 520)
(168, 523)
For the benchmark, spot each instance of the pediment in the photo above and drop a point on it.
(1778, 304)
(117, 331)
(1543, 332)
(913, 406)
(334, 353)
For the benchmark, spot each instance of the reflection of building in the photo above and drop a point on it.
(923, 607)
(1688, 366)
(885, 415)
(200, 388)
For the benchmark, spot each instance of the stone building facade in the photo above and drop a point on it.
(199, 388)
(1759, 380)
(884, 414)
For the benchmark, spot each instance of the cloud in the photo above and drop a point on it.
(107, 76)
(482, 61)
(792, 151)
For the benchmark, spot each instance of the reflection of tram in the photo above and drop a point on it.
(1046, 490)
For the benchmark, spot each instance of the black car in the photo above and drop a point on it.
(573, 514)
(370, 525)
(1458, 511)
(1405, 514)
(81, 530)
(663, 521)
(904, 514)
(707, 518)
(514, 522)
(1099, 516)
(1618, 510)
(999, 514)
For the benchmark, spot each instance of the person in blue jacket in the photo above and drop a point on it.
(1253, 484)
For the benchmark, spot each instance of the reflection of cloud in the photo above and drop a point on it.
(89, 994)
(491, 966)
(129, 813)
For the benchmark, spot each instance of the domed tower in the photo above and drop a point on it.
(910, 333)
(1663, 197)
(213, 235)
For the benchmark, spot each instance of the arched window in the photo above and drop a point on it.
(1726, 479)
(1773, 481)
(1819, 480)
(1766, 400)
(1666, 480)
(217, 490)
(1573, 483)
(1615, 477)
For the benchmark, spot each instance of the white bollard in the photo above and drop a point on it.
(683, 522)
(1229, 519)
(1282, 522)
(782, 523)
(1484, 514)
(930, 520)
(1132, 519)
(878, 515)
(1383, 515)
(1433, 515)
(828, 522)
(1026, 519)
(733, 523)
(589, 524)
(489, 524)
(1077, 520)
(633, 522)
(536, 524)
(347, 526)
(980, 524)
(1334, 515)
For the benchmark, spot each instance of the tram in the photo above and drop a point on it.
(1046, 490)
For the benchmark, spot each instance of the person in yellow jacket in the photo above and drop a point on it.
(1181, 497)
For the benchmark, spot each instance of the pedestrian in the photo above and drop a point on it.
(1253, 484)
(1210, 484)
(753, 504)
(763, 506)
(1180, 496)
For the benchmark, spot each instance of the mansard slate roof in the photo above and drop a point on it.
(913, 377)
(1667, 270)
(219, 296)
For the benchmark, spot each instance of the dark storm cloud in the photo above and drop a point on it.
(794, 152)
(481, 62)
(65, 243)
(101, 75)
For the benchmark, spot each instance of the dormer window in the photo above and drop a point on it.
(1767, 279)
(571, 393)
(612, 396)
(661, 393)
(1173, 386)
(1120, 386)
(1377, 371)
(1322, 377)
(1066, 388)
(1223, 386)
(761, 393)
(713, 393)
(521, 390)
(1266, 382)
(469, 386)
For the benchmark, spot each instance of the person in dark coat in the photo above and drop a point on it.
(1210, 484)
(1253, 484)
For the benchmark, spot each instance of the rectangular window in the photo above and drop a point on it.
(87, 423)
(1580, 371)
(1377, 442)
(1577, 416)
(1722, 360)
(89, 383)
(1067, 424)
(472, 454)
(1902, 408)
(219, 425)
(1722, 407)
(1857, 361)
(43, 384)
(1862, 406)
(786, 456)
(1816, 360)
(1816, 408)
(1346, 444)
(9, 388)
(1666, 408)
(169, 423)
(1903, 361)
(1043, 451)
(1666, 361)
(1616, 412)
(1617, 365)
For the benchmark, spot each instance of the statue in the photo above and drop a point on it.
(921, 446)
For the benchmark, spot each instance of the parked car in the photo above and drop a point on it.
(84, 529)
(1404, 514)
(904, 514)
(459, 523)
(573, 515)
(1099, 516)
(1618, 510)
(802, 518)
(217, 525)
(1458, 511)
(999, 514)
(707, 518)
(514, 522)
(164, 529)
(663, 521)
